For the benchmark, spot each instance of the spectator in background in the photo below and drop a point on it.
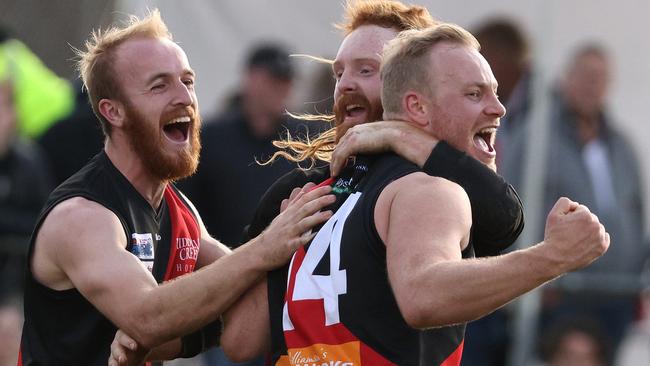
(320, 101)
(229, 182)
(575, 342)
(506, 49)
(24, 186)
(11, 320)
(635, 347)
(40, 97)
(590, 161)
(70, 143)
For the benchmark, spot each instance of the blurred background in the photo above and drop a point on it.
(575, 78)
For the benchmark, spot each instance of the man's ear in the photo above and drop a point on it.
(113, 111)
(416, 107)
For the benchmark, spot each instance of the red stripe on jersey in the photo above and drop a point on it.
(455, 357)
(186, 238)
(326, 182)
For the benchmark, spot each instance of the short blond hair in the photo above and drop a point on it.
(96, 63)
(405, 63)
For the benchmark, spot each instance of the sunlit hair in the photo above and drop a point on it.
(405, 64)
(96, 63)
(383, 13)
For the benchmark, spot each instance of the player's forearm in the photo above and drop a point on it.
(166, 351)
(184, 305)
(247, 322)
(460, 291)
(419, 146)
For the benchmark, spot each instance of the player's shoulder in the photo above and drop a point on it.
(422, 181)
(422, 189)
(78, 212)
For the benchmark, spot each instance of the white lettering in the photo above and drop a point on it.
(188, 253)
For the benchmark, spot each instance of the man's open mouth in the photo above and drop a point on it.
(484, 139)
(355, 111)
(177, 129)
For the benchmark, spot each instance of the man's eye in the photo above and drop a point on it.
(157, 87)
(188, 82)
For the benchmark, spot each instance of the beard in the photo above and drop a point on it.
(374, 111)
(147, 140)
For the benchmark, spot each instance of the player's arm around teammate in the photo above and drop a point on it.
(273, 247)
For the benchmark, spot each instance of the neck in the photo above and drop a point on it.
(588, 128)
(131, 166)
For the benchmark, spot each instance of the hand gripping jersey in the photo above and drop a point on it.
(334, 305)
(62, 327)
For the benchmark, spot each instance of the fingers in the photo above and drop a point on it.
(564, 205)
(118, 355)
(309, 186)
(121, 344)
(339, 158)
(350, 144)
(307, 223)
(287, 201)
(126, 341)
(296, 193)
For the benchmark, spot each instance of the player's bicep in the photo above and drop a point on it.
(428, 223)
(91, 251)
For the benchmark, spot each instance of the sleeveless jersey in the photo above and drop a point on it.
(334, 304)
(62, 327)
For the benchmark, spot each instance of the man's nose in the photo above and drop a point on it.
(496, 108)
(345, 84)
(183, 95)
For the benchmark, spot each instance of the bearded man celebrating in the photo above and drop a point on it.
(114, 231)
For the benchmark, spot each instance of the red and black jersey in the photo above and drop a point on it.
(62, 327)
(334, 304)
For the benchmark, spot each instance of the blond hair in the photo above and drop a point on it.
(382, 13)
(96, 63)
(405, 63)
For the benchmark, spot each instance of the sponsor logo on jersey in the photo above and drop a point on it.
(188, 248)
(346, 354)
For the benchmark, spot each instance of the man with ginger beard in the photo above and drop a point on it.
(111, 234)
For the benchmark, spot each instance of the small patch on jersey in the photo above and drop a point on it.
(142, 246)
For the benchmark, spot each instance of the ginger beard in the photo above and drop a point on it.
(147, 140)
(354, 108)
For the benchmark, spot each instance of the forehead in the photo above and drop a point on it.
(460, 64)
(365, 42)
(140, 58)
